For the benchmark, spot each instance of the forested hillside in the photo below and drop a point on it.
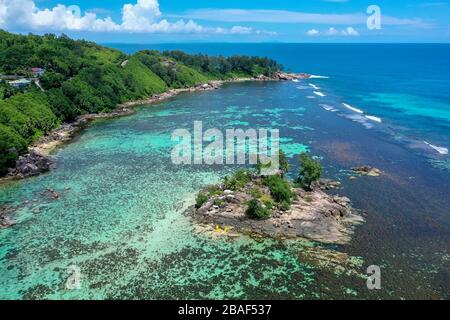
(82, 77)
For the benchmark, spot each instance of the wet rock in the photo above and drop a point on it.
(262, 77)
(6, 222)
(206, 207)
(325, 184)
(50, 194)
(230, 198)
(31, 164)
(212, 85)
(342, 201)
(282, 76)
(367, 170)
(286, 76)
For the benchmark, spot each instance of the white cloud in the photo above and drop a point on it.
(347, 32)
(312, 32)
(241, 30)
(332, 32)
(142, 17)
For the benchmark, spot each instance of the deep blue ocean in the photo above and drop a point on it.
(406, 86)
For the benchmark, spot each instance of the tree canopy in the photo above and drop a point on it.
(310, 171)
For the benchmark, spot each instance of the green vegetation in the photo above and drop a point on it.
(310, 171)
(256, 211)
(280, 190)
(256, 192)
(6, 91)
(11, 145)
(224, 68)
(267, 201)
(174, 74)
(280, 194)
(214, 191)
(82, 77)
(238, 180)
(283, 163)
(218, 202)
(200, 200)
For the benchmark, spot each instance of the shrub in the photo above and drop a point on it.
(256, 193)
(11, 146)
(285, 206)
(279, 189)
(283, 163)
(310, 171)
(200, 200)
(267, 201)
(256, 211)
(218, 202)
(214, 191)
(238, 180)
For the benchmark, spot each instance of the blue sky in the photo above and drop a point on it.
(147, 21)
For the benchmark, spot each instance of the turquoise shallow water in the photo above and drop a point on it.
(120, 218)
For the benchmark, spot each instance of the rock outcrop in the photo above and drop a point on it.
(313, 214)
(212, 85)
(5, 219)
(325, 184)
(284, 76)
(367, 171)
(31, 164)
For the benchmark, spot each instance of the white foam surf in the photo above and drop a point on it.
(360, 119)
(296, 80)
(373, 118)
(314, 86)
(352, 108)
(441, 150)
(318, 77)
(320, 94)
(327, 107)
